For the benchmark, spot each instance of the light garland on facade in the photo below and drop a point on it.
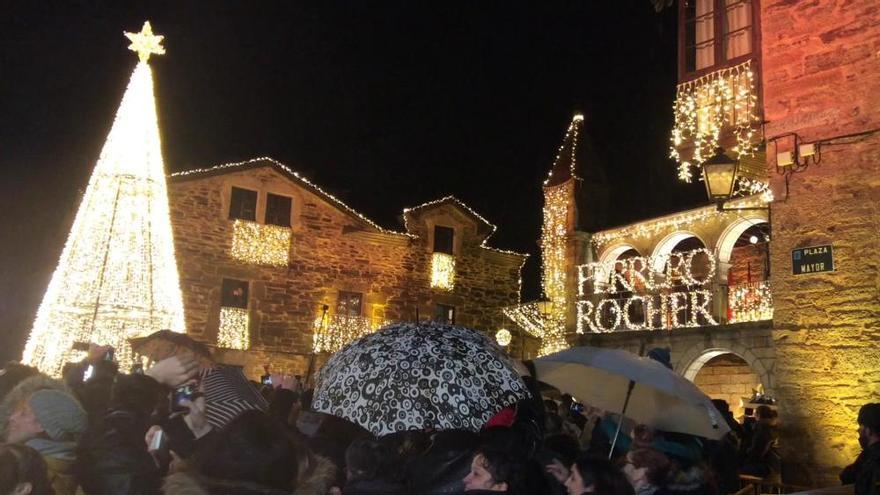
(234, 331)
(528, 317)
(335, 332)
(452, 199)
(117, 276)
(750, 302)
(443, 271)
(706, 107)
(326, 195)
(678, 221)
(634, 279)
(554, 233)
(260, 244)
(573, 131)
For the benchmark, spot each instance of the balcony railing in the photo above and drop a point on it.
(749, 302)
(335, 332)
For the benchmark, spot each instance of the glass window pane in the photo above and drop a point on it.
(278, 210)
(349, 304)
(443, 239)
(243, 204)
(234, 293)
(737, 28)
(444, 314)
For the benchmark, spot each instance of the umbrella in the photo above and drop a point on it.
(228, 393)
(644, 389)
(413, 376)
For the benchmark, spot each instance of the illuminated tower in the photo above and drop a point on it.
(571, 204)
(117, 276)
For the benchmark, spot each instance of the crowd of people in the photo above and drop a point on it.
(117, 433)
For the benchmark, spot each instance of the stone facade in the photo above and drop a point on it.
(821, 79)
(729, 378)
(332, 249)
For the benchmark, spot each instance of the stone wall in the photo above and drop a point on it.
(332, 250)
(747, 264)
(821, 79)
(730, 378)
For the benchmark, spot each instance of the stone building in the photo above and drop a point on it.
(276, 271)
(790, 92)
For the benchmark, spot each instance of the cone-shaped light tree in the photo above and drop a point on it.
(117, 277)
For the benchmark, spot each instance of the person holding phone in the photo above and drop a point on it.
(114, 457)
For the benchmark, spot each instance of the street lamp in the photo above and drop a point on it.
(720, 174)
(545, 307)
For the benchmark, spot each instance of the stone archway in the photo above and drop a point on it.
(667, 244)
(728, 238)
(690, 363)
(613, 253)
(732, 371)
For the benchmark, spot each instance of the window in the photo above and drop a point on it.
(443, 239)
(349, 304)
(715, 32)
(234, 293)
(277, 210)
(444, 314)
(243, 204)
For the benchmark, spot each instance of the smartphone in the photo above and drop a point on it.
(266, 379)
(577, 407)
(159, 442)
(110, 354)
(182, 393)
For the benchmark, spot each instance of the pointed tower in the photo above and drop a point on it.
(575, 199)
(117, 277)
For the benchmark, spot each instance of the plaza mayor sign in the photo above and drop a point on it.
(646, 293)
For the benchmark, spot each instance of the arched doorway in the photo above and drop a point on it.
(723, 374)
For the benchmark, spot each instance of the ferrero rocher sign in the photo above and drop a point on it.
(646, 293)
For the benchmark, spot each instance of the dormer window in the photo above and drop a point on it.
(715, 34)
(243, 204)
(277, 210)
(444, 238)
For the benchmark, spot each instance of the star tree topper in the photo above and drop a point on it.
(145, 43)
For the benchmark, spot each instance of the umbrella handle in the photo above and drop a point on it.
(629, 392)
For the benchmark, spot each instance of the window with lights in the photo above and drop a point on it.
(714, 34)
(243, 204)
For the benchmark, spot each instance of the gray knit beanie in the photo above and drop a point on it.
(59, 413)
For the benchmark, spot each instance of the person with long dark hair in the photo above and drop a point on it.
(23, 471)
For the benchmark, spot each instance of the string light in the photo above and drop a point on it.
(503, 337)
(332, 333)
(260, 244)
(407, 213)
(287, 170)
(234, 331)
(679, 221)
(750, 302)
(443, 271)
(558, 201)
(117, 276)
(708, 106)
(637, 274)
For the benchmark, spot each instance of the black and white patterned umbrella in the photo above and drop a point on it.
(414, 376)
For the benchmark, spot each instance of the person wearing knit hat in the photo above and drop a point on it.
(864, 473)
(49, 420)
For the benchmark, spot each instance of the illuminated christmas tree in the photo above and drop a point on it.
(117, 277)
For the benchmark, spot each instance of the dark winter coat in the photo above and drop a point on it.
(865, 472)
(113, 457)
(374, 487)
(317, 481)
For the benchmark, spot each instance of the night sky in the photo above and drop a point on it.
(385, 104)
